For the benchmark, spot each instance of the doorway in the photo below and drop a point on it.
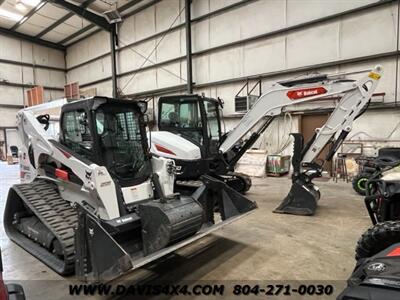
(308, 124)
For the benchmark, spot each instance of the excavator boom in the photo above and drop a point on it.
(354, 96)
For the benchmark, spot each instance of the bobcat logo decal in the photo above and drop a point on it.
(88, 175)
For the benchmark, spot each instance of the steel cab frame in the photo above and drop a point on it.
(96, 153)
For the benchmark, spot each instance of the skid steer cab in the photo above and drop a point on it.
(98, 203)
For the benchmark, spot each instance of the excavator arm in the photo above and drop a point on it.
(354, 96)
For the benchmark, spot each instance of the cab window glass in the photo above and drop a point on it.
(181, 115)
(212, 120)
(77, 134)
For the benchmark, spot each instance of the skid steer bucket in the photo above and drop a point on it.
(303, 195)
(106, 250)
(72, 239)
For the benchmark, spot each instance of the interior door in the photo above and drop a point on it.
(12, 139)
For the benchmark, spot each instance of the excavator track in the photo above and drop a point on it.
(245, 181)
(42, 200)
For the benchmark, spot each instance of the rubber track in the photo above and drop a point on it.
(55, 213)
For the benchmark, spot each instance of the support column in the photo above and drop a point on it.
(188, 26)
(113, 61)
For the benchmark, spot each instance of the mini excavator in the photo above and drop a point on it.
(190, 132)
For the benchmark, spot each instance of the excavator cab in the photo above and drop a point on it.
(193, 117)
(195, 122)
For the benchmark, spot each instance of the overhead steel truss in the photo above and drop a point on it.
(84, 13)
(94, 19)
(62, 20)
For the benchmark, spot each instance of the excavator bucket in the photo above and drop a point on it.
(303, 195)
(301, 200)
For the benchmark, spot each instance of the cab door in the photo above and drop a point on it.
(213, 126)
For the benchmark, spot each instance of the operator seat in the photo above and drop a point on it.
(173, 119)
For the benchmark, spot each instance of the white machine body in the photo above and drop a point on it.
(169, 145)
(98, 187)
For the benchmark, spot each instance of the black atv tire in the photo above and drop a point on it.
(378, 238)
(359, 183)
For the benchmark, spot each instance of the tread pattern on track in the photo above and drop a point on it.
(54, 212)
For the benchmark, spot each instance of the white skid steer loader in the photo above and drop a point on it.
(95, 202)
(191, 124)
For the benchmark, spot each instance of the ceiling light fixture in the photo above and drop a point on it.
(10, 15)
(31, 2)
(20, 6)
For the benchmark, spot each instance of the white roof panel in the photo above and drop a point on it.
(6, 23)
(77, 22)
(53, 11)
(54, 36)
(30, 28)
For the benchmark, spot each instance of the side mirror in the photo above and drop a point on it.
(221, 102)
(143, 106)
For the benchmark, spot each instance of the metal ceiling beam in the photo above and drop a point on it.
(28, 15)
(30, 65)
(120, 10)
(84, 13)
(31, 39)
(63, 19)
(26, 85)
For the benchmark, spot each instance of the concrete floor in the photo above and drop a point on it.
(260, 248)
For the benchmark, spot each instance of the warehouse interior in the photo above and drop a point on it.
(149, 53)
